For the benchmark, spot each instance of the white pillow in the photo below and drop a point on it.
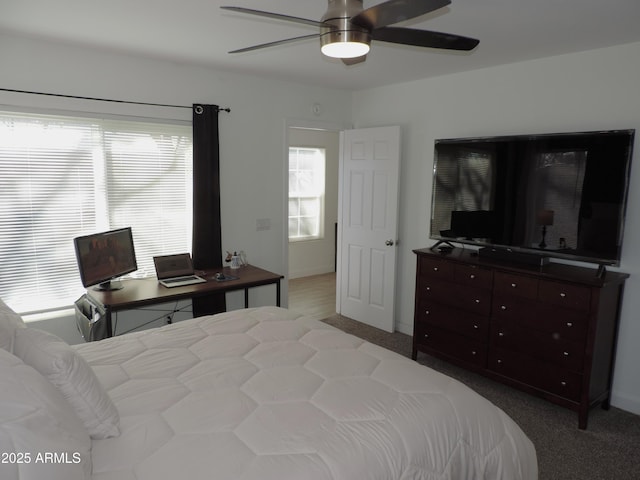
(40, 434)
(9, 322)
(73, 376)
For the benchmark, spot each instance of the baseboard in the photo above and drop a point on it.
(626, 403)
(310, 272)
(405, 328)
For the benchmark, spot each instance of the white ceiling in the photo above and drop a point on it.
(199, 32)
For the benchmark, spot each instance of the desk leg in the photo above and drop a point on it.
(246, 295)
(108, 321)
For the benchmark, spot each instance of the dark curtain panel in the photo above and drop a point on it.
(207, 234)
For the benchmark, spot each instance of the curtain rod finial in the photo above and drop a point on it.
(199, 109)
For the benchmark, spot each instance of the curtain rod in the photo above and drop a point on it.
(220, 109)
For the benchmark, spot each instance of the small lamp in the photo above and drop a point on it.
(544, 218)
(345, 43)
(339, 38)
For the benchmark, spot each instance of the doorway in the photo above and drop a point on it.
(313, 261)
(365, 273)
(315, 296)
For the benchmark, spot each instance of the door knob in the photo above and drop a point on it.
(389, 243)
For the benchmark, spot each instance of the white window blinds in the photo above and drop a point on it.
(61, 177)
(306, 192)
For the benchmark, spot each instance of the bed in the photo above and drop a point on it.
(260, 393)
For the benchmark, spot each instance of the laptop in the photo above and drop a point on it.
(176, 270)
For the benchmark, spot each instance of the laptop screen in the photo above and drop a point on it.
(169, 266)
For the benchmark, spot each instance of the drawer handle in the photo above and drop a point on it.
(564, 384)
(477, 300)
(426, 335)
(514, 285)
(500, 334)
(473, 352)
(427, 312)
(428, 289)
(569, 324)
(435, 269)
(472, 276)
(475, 326)
(562, 294)
(499, 361)
(566, 354)
(503, 307)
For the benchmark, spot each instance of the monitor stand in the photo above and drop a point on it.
(109, 285)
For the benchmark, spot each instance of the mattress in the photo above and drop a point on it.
(268, 394)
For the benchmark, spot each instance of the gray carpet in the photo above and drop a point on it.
(608, 450)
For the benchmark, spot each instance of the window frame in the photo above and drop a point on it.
(179, 128)
(320, 197)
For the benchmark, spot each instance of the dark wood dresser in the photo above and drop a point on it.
(548, 330)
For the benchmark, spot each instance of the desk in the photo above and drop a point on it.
(147, 291)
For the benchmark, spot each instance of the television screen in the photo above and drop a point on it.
(560, 195)
(105, 256)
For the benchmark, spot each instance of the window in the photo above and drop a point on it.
(61, 177)
(306, 192)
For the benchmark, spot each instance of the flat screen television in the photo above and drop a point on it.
(558, 195)
(105, 256)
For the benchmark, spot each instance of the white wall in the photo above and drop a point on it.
(313, 257)
(596, 90)
(251, 136)
(583, 91)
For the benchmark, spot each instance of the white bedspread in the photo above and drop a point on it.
(266, 394)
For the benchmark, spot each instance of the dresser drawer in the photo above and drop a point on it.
(570, 324)
(432, 267)
(565, 295)
(473, 276)
(468, 324)
(518, 309)
(471, 299)
(513, 284)
(540, 375)
(452, 345)
(549, 347)
(510, 310)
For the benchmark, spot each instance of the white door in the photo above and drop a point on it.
(367, 219)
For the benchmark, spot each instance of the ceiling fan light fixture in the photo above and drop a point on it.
(347, 28)
(345, 43)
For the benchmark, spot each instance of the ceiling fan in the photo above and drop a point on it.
(346, 28)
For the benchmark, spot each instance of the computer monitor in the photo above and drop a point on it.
(103, 257)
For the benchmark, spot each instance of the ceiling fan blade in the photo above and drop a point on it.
(277, 16)
(273, 44)
(354, 60)
(424, 38)
(394, 11)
